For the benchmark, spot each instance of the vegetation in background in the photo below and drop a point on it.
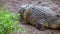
(9, 22)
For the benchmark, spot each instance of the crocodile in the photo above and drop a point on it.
(39, 16)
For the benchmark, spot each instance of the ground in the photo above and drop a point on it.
(14, 6)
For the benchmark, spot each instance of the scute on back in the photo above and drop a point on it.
(39, 16)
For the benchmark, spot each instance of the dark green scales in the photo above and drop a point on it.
(39, 16)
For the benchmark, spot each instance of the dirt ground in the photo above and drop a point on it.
(14, 6)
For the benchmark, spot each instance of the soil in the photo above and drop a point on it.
(14, 6)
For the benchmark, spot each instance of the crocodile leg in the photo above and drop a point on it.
(40, 24)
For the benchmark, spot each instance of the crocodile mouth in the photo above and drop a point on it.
(52, 26)
(55, 26)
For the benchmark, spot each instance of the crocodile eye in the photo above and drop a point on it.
(58, 15)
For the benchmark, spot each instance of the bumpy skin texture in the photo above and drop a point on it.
(39, 16)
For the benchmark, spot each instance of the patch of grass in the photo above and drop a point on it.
(9, 22)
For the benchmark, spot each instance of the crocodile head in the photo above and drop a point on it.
(56, 22)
